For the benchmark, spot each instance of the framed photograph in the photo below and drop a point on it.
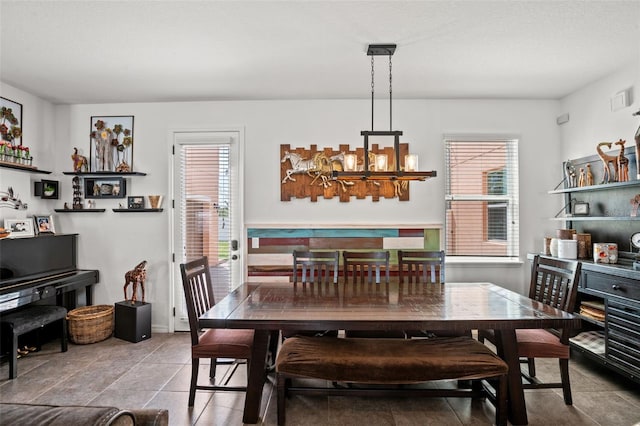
(11, 121)
(135, 203)
(581, 209)
(111, 143)
(19, 228)
(47, 189)
(105, 187)
(44, 224)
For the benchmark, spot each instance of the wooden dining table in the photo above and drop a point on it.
(270, 307)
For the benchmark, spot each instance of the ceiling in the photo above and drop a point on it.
(150, 51)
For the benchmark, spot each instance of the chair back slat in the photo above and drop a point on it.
(421, 266)
(198, 292)
(554, 282)
(361, 265)
(315, 267)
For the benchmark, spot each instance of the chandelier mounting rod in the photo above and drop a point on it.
(382, 50)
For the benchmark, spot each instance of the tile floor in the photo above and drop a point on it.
(155, 373)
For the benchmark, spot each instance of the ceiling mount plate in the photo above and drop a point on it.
(381, 49)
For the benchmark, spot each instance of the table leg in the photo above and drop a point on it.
(507, 348)
(256, 378)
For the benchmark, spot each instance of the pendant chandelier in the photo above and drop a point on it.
(379, 170)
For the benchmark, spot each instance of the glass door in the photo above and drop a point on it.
(206, 211)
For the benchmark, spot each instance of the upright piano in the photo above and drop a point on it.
(42, 267)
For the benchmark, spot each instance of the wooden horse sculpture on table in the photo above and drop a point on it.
(79, 162)
(135, 276)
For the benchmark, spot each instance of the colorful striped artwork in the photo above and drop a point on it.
(270, 248)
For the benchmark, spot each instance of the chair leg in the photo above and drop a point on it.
(212, 368)
(281, 397)
(195, 364)
(531, 363)
(566, 384)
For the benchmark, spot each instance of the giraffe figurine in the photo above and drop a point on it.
(623, 163)
(589, 175)
(582, 177)
(606, 160)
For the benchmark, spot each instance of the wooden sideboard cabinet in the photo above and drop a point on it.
(608, 294)
(614, 339)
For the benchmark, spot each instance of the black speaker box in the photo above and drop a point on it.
(133, 321)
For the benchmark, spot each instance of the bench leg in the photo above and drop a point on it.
(281, 397)
(501, 401)
(63, 335)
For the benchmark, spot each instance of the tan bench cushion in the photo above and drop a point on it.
(386, 361)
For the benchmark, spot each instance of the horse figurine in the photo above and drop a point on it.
(298, 165)
(79, 162)
(135, 276)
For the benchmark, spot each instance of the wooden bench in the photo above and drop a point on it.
(389, 362)
(28, 319)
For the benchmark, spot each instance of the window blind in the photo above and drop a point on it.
(205, 201)
(481, 197)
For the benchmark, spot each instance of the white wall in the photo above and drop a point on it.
(590, 117)
(114, 243)
(38, 127)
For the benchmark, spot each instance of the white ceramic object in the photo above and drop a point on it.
(568, 249)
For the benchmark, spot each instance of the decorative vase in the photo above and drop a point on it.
(155, 201)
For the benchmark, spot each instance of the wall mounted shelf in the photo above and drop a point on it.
(136, 210)
(105, 173)
(29, 169)
(604, 186)
(594, 218)
(80, 210)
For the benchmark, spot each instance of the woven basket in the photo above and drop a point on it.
(90, 324)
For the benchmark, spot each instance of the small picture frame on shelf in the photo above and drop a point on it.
(44, 224)
(47, 189)
(19, 228)
(105, 187)
(581, 209)
(135, 203)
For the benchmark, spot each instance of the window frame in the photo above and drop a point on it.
(511, 197)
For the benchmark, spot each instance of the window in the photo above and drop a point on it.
(496, 210)
(481, 196)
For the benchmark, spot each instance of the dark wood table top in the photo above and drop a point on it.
(272, 306)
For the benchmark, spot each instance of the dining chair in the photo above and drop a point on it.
(554, 282)
(317, 272)
(360, 265)
(315, 267)
(214, 343)
(420, 267)
(368, 268)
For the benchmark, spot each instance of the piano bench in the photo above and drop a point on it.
(28, 319)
